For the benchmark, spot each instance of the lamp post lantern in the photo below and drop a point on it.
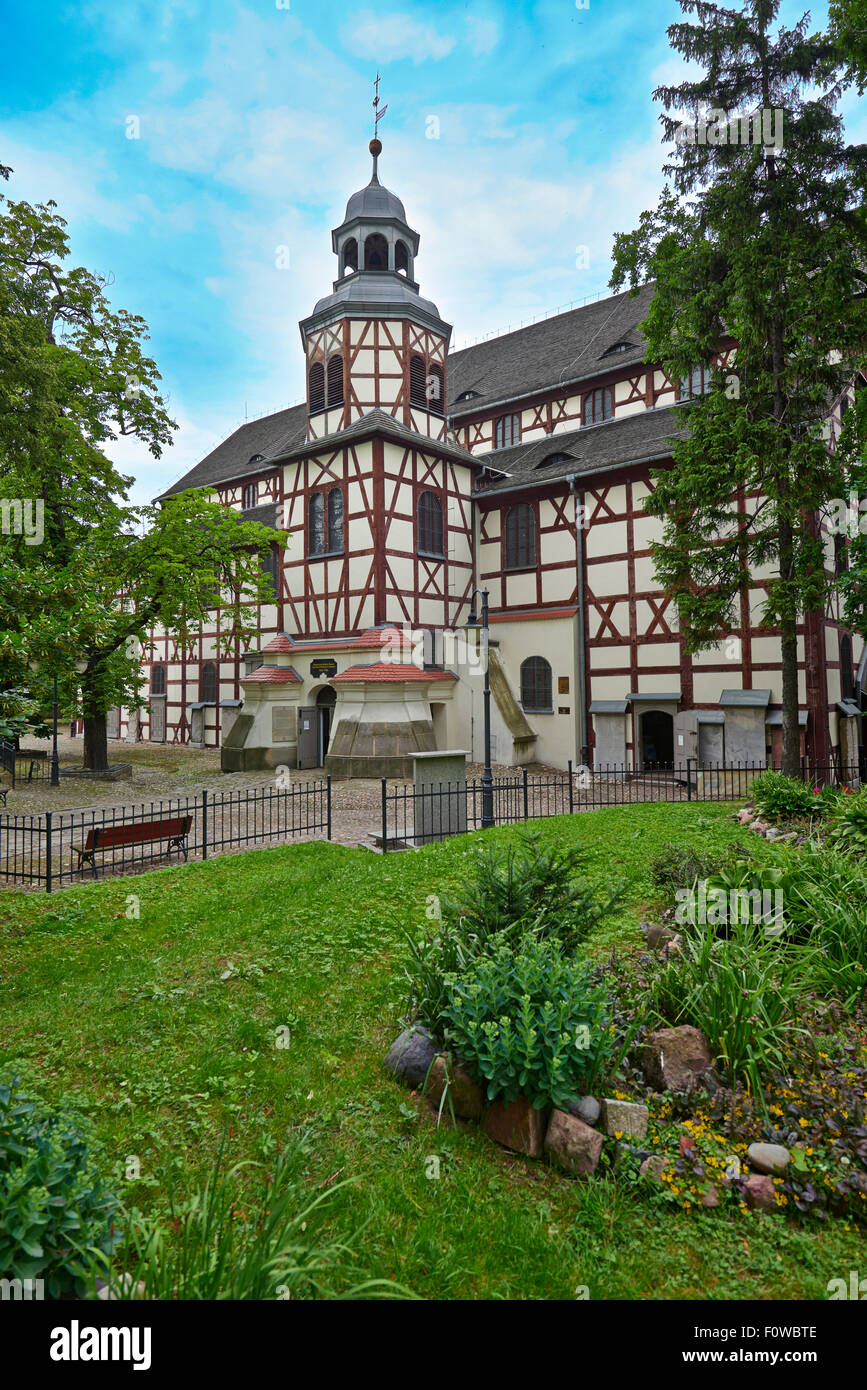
(487, 776)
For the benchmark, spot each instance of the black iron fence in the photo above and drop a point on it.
(24, 764)
(417, 815)
(62, 847)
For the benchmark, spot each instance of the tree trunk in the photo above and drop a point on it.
(791, 728)
(95, 742)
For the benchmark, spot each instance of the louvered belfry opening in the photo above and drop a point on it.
(316, 387)
(418, 382)
(335, 380)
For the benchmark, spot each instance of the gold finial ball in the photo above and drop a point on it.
(375, 146)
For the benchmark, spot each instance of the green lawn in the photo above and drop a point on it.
(163, 1029)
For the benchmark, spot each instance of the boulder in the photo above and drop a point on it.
(467, 1098)
(655, 1166)
(759, 1193)
(768, 1158)
(624, 1117)
(572, 1144)
(516, 1126)
(760, 826)
(675, 1059)
(586, 1108)
(658, 935)
(745, 815)
(410, 1056)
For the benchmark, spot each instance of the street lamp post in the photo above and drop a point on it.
(487, 776)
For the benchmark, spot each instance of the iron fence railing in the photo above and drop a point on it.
(61, 847)
(417, 815)
(24, 764)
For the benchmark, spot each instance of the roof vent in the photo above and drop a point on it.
(467, 395)
(551, 459)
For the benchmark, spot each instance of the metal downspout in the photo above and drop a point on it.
(582, 750)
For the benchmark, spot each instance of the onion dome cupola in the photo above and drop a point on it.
(374, 343)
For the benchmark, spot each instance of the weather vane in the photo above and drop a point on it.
(379, 113)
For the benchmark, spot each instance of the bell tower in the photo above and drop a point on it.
(374, 343)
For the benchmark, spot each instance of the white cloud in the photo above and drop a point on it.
(483, 35)
(387, 37)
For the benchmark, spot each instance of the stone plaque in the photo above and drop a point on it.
(324, 666)
(284, 724)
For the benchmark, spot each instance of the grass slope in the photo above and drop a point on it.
(163, 1028)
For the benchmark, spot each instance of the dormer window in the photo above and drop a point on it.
(550, 459)
(617, 347)
(467, 396)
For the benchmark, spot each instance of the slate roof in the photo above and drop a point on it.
(271, 436)
(564, 348)
(646, 435)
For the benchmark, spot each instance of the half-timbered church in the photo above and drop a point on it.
(412, 477)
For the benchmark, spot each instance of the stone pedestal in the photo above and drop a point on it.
(440, 786)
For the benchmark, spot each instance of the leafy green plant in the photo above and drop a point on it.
(849, 823)
(56, 1215)
(530, 887)
(781, 798)
(826, 903)
(529, 1022)
(742, 991)
(222, 1244)
(676, 868)
(743, 892)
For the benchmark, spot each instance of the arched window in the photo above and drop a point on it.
(335, 380)
(270, 565)
(316, 379)
(598, 405)
(435, 389)
(335, 519)
(376, 252)
(507, 431)
(350, 254)
(417, 382)
(536, 684)
(847, 675)
(250, 496)
(316, 525)
(430, 524)
(208, 684)
(158, 680)
(401, 257)
(520, 537)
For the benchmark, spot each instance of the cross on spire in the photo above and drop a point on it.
(379, 112)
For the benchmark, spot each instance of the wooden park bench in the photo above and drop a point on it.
(102, 838)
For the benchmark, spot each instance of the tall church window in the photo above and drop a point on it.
(520, 537)
(270, 565)
(376, 252)
(536, 686)
(401, 257)
(208, 684)
(507, 431)
(350, 255)
(847, 675)
(316, 525)
(418, 382)
(335, 519)
(430, 524)
(335, 380)
(316, 379)
(158, 680)
(598, 405)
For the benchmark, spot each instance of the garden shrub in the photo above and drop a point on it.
(56, 1215)
(746, 892)
(529, 1022)
(781, 798)
(677, 868)
(849, 823)
(741, 990)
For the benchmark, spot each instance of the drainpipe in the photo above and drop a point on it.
(581, 732)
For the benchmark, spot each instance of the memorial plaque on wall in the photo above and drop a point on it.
(284, 724)
(323, 666)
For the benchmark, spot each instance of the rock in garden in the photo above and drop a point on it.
(675, 1059)
(410, 1055)
(624, 1117)
(572, 1144)
(516, 1126)
(586, 1108)
(655, 1166)
(768, 1158)
(125, 1289)
(745, 815)
(669, 947)
(710, 1198)
(658, 935)
(466, 1097)
(759, 1193)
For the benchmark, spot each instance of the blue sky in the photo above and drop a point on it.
(253, 124)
